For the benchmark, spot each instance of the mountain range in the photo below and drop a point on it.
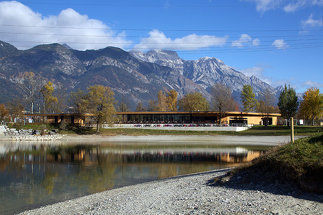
(134, 76)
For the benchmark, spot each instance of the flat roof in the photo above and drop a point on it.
(194, 113)
(235, 113)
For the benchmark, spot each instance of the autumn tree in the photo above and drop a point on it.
(15, 109)
(222, 100)
(194, 102)
(100, 102)
(3, 112)
(152, 105)
(248, 99)
(162, 101)
(310, 107)
(171, 100)
(78, 101)
(50, 101)
(288, 102)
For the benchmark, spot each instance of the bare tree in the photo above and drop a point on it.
(222, 100)
(30, 86)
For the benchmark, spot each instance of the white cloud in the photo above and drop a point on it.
(292, 7)
(310, 22)
(313, 84)
(287, 5)
(264, 5)
(24, 28)
(280, 44)
(258, 72)
(158, 40)
(245, 40)
(256, 42)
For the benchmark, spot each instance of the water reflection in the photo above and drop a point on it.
(33, 175)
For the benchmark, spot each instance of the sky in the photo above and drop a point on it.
(279, 41)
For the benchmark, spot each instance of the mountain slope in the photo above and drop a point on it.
(70, 70)
(205, 71)
(135, 76)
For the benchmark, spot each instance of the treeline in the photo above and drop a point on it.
(41, 97)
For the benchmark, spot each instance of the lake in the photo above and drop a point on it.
(34, 174)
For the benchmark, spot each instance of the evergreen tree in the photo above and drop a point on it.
(288, 102)
(248, 99)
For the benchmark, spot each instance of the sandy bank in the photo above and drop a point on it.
(189, 195)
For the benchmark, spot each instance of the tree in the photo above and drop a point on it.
(162, 105)
(194, 102)
(152, 105)
(30, 86)
(4, 113)
(222, 100)
(248, 99)
(172, 100)
(140, 107)
(288, 103)
(123, 106)
(100, 100)
(50, 101)
(15, 109)
(266, 105)
(78, 101)
(310, 107)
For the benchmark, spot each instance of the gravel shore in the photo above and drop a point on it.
(191, 194)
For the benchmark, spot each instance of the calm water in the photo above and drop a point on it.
(35, 175)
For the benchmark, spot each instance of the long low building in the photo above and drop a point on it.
(199, 117)
(163, 117)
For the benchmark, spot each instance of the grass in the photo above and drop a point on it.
(300, 163)
(282, 130)
(34, 126)
(254, 131)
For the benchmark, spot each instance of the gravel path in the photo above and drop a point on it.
(189, 195)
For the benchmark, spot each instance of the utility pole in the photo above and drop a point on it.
(292, 129)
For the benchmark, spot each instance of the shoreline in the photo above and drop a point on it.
(163, 139)
(188, 194)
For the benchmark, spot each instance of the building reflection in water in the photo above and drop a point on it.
(33, 175)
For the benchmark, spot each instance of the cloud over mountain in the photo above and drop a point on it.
(158, 40)
(25, 28)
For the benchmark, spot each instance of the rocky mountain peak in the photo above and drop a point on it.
(134, 75)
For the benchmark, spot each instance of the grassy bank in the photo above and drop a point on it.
(300, 163)
(254, 131)
(282, 130)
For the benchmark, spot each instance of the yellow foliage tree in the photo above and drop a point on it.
(50, 101)
(172, 100)
(194, 102)
(310, 107)
(3, 112)
(100, 100)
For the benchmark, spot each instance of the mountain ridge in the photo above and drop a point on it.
(133, 75)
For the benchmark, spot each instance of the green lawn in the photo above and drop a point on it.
(256, 130)
(282, 130)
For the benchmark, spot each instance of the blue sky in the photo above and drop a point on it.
(279, 41)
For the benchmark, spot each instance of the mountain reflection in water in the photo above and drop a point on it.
(34, 175)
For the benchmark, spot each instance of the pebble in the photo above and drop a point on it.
(186, 195)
